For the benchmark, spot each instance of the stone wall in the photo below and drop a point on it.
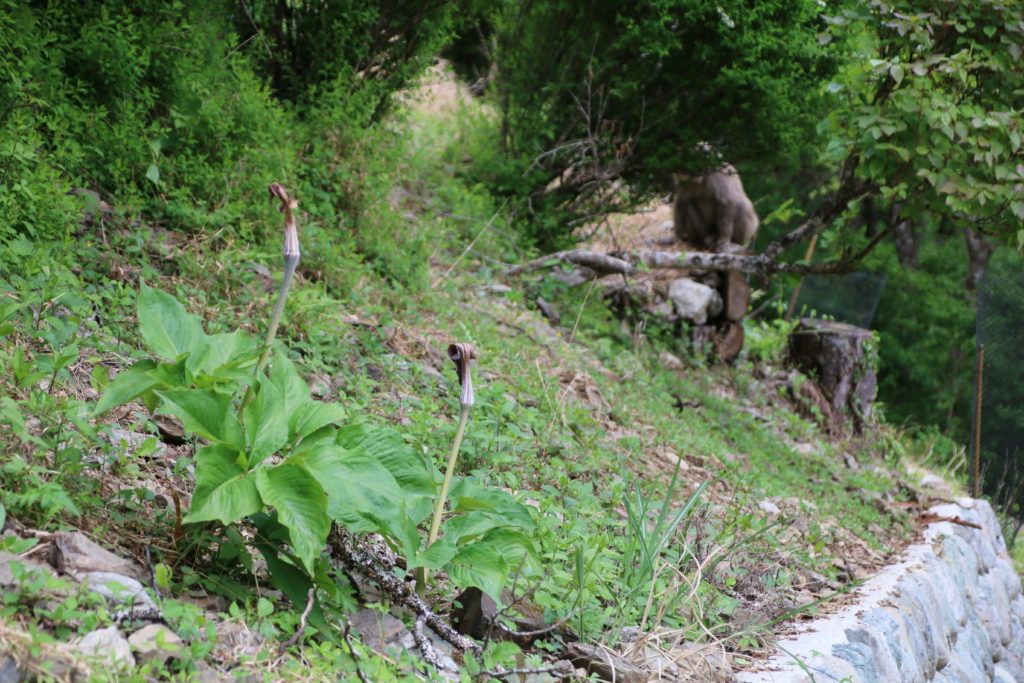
(951, 611)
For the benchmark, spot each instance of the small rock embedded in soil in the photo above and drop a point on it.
(109, 646)
(607, 666)
(75, 554)
(156, 642)
(387, 635)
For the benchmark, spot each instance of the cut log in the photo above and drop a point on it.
(736, 295)
(842, 359)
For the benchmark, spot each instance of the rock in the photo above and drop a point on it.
(171, 429)
(387, 636)
(109, 647)
(692, 300)
(76, 554)
(123, 591)
(9, 671)
(607, 666)
(670, 361)
(156, 642)
(132, 441)
(236, 640)
(938, 485)
(769, 507)
(706, 662)
(33, 569)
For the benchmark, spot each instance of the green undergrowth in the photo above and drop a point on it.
(601, 486)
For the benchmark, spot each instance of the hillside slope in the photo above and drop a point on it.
(659, 498)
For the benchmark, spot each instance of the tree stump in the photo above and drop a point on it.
(842, 359)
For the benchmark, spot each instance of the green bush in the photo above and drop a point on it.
(595, 93)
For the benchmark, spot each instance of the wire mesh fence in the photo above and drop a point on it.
(1000, 435)
(851, 298)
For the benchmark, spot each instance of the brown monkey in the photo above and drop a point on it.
(712, 211)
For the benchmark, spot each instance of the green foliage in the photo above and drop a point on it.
(375, 49)
(930, 112)
(282, 452)
(592, 93)
(925, 376)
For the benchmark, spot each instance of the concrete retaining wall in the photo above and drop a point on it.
(952, 610)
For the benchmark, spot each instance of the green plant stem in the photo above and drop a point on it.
(435, 522)
(290, 262)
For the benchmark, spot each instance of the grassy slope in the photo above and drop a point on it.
(583, 421)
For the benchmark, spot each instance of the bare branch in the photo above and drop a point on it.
(603, 264)
(310, 599)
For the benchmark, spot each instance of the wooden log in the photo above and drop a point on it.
(736, 295)
(842, 359)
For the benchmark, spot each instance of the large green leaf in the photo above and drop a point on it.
(362, 495)
(306, 419)
(479, 564)
(213, 352)
(129, 384)
(467, 495)
(301, 506)
(266, 424)
(515, 548)
(286, 378)
(224, 490)
(469, 526)
(167, 328)
(408, 467)
(205, 412)
(436, 556)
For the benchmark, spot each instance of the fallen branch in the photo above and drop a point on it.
(602, 264)
(347, 633)
(932, 518)
(765, 263)
(365, 562)
(310, 599)
(427, 649)
(563, 669)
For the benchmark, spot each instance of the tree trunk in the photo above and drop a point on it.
(842, 359)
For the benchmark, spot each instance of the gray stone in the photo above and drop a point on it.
(123, 591)
(604, 664)
(992, 610)
(692, 300)
(899, 643)
(387, 635)
(953, 601)
(935, 626)
(881, 648)
(938, 485)
(109, 647)
(9, 670)
(132, 441)
(76, 554)
(826, 668)
(33, 569)
(860, 656)
(236, 640)
(920, 649)
(156, 642)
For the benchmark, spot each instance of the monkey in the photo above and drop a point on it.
(712, 211)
